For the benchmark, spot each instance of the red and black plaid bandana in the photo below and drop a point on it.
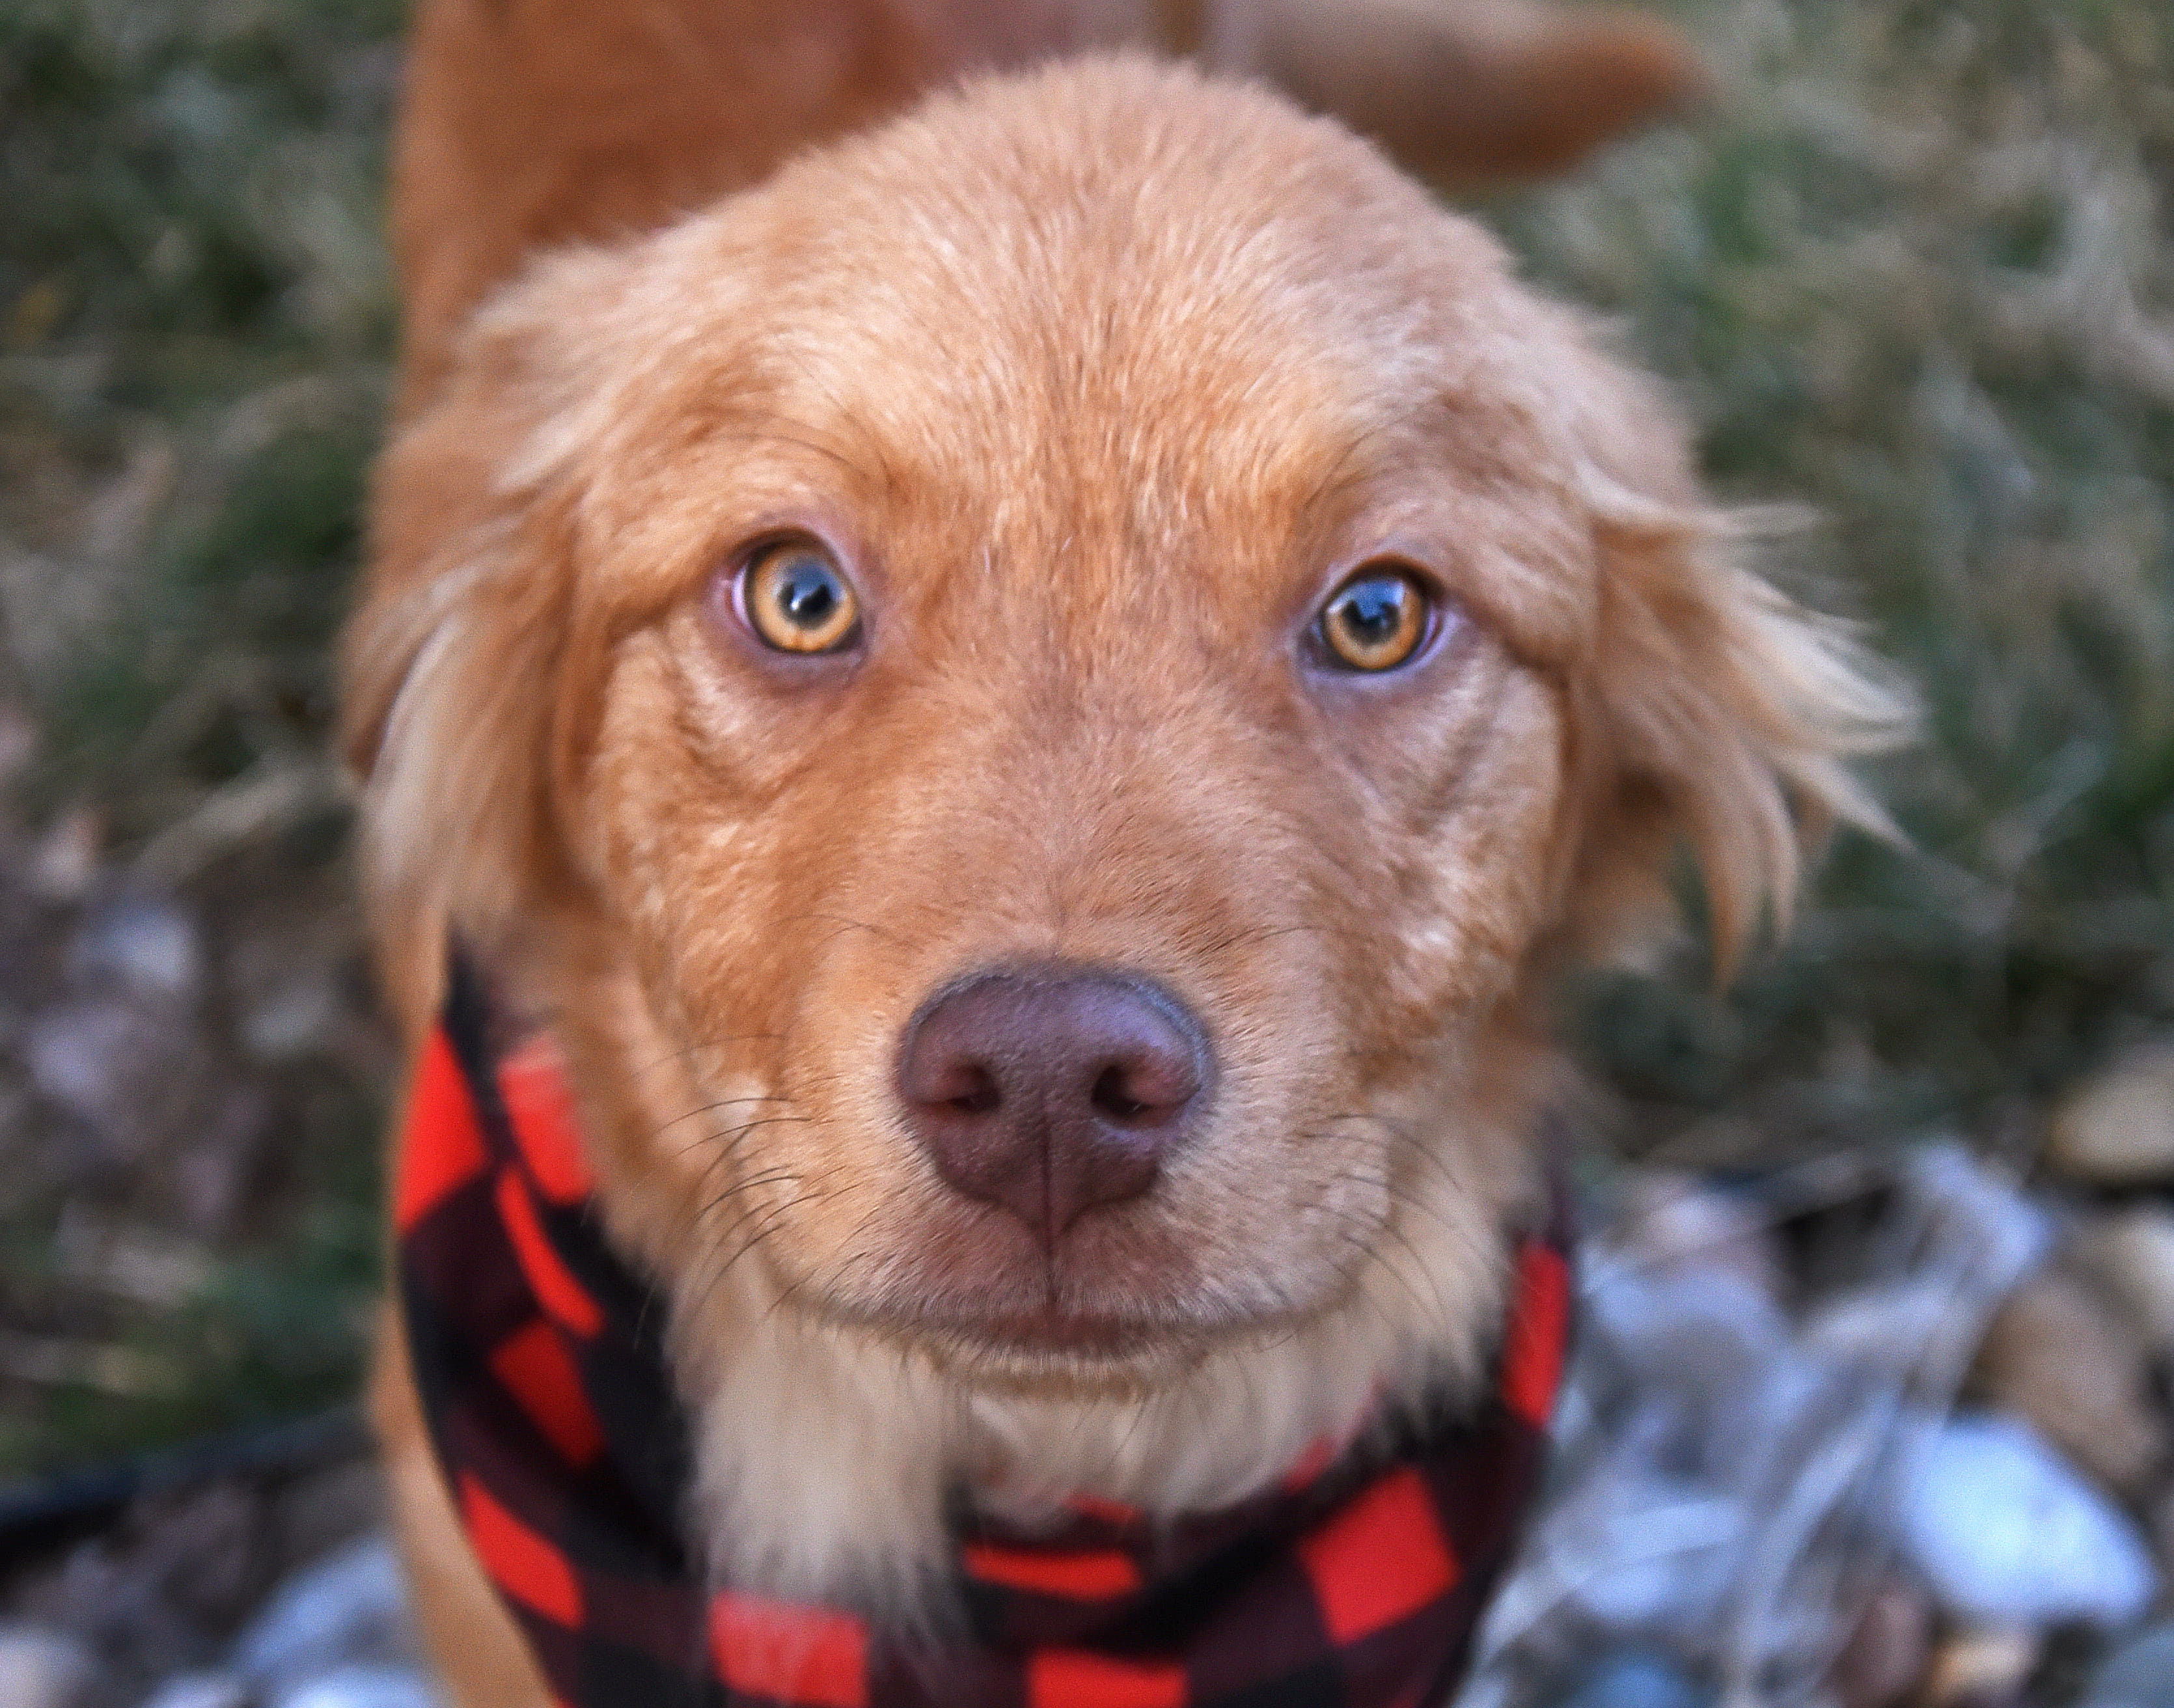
(1354, 1585)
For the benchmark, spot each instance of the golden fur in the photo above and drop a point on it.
(1098, 379)
(528, 124)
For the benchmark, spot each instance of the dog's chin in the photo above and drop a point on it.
(1120, 1306)
(1051, 1354)
(1057, 1355)
(1047, 1350)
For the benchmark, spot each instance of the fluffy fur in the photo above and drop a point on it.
(528, 124)
(1098, 379)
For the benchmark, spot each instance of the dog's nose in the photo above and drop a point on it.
(1049, 1094)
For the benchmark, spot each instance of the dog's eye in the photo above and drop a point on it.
(1377, 619)
(797, 600)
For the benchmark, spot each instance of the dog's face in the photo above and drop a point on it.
(1081, 659)
(1146, 675)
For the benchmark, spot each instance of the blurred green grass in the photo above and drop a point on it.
(194, 313)
(1918, 274)
(1915, 270)
(194, 326)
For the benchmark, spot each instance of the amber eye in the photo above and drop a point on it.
(1376, 620)
(797, 600)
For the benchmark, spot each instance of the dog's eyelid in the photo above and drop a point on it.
(1391, 555)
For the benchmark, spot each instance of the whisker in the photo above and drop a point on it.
(670, 1056)
(845, 919)
(701, 1109)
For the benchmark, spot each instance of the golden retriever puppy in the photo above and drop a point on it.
(981, 757)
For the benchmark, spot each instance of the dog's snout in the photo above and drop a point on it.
(1051, 1095)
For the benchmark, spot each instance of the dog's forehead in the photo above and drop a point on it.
(1123, 236)
(1092, 385)
(1138, 336)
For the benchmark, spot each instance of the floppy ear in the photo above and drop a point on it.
(454, 665)
(1714, 710)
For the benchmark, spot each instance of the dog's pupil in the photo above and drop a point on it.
(807, 593)
(1375, 610)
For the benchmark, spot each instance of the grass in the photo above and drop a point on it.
(1918, 275)
(1915, 271)
(195, 321)
(196, 316)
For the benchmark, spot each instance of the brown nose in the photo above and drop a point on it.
(1050, 1093)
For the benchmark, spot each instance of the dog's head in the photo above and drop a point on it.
(1064, 673)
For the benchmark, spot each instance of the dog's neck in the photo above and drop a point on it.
(825, 1454)
(1360, 1572)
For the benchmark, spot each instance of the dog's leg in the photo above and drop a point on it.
(1463, 91)
(481, 1658)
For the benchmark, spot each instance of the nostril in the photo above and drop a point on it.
(940, 1075)
(978, 1094)
(1111, 1098)
(1144, 1089)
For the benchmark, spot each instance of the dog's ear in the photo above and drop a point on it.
(1713, 709)
(455, 664)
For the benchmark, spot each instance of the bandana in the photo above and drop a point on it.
(1356, 1583)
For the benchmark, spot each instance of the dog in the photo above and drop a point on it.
(997, 675)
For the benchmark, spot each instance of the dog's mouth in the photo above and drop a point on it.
(1050, 1348)
(1069, 1176)
(1124, 1302)
(1056, 1337)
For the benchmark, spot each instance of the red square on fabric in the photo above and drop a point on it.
(1380, 1559)
(1088, 1577)
(525, 1566)
(540, 1105)
(1114, 1513)
(810, 1656)
(1073, 1678)
(533, 1365)
(547, 1276)
(1316, 1458)
(441, 1146)
(1533, 1341)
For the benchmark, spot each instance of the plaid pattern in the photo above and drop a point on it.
(1357, 1584)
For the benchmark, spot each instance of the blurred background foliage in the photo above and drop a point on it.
(1918, 274)
(1915, 270)
(195, 323)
